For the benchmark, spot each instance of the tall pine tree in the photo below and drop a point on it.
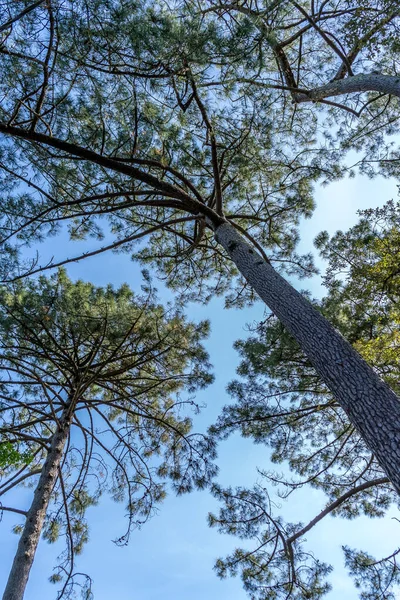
(282, 402)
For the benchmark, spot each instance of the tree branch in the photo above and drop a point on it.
(331, 507)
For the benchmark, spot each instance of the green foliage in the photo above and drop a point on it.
(10, 457)
(375, 578)
(192, 100)
(280, 401)
(277, 567)
(364, 278)
(131, 98)
(186, 113)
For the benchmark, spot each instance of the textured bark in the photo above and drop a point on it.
(370, 404)
(23, 560)
(370, 82)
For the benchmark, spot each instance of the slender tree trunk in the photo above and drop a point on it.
(370, 404)
(368, 82)
(23, 560)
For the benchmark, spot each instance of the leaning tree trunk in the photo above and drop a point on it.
(23, 560)
(370, 404)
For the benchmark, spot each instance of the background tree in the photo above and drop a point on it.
(120, 112)
(282, 402)
(91, 384)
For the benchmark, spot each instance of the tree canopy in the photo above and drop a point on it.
(151, 117)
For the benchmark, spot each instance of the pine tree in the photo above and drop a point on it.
(282, 402)
(94, 383)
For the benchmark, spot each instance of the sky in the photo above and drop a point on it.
(172, 555)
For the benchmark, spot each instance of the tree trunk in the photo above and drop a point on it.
(369, 82)
(372, 407)
(23, 560)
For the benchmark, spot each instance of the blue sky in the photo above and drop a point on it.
(172, 556)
